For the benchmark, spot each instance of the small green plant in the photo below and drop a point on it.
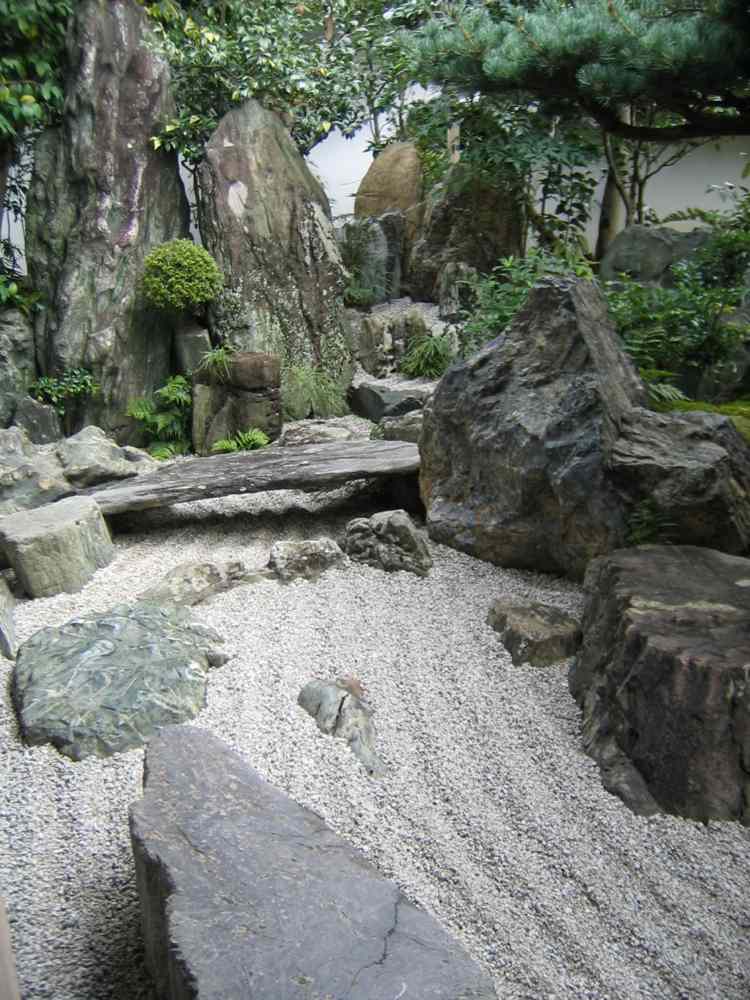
(249, 440)
(180, 275)
(358, 297)
(217, 361)
(427, 356)
(13, 295)
(165, 418)
(308, 391)
(647, 525)
(64, 391)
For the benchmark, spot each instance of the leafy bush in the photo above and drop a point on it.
(217, 361)
(13, 295)
(675, 328)
(248, 440)
(180, 275)
(427, 357)
(358, 297)
(501, 294)
(307, 391)
(73, 385)
(165, 419)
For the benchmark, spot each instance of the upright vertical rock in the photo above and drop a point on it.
(100, 199)
(266, 220)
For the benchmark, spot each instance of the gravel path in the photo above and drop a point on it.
(489, 814)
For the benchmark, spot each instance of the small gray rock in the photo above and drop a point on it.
(306, 559)
(101, 684)
(339, 712)
(407, 427)
(320, 431)
(388, 540)
(192, 583)
(535, 633)
(56, 548)
(7, 628)
(39, 420)
(90, 457)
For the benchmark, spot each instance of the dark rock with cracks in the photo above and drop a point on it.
(535, 633)
(662, 679)
(339, 712)
(374, 400)
(104, 683)
(40, 421)
(388, 540)
(245, 893)
(538, 450)
(101, 197)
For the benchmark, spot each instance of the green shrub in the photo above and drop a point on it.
(64, 391)
(427, 357)
(501, 294)
(13, 294)
(675, 328)
(308, 391)
(166, 418)
(180, 275)
(249, 440)
(358, 297)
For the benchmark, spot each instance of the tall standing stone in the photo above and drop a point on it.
(101, 197)
(266, 221)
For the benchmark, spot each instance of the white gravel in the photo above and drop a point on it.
(489, 814)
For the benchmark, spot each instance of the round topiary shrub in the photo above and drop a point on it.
(180, 275)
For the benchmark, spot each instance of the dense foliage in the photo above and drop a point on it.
(311, 392)
(165, 418)
(601, 57)
(427, 356)
(180, 275)
(65, 390)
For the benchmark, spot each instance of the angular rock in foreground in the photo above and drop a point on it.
(662, 678)
(534, 633)
(338, 711)
(101, 684)
(245, 893)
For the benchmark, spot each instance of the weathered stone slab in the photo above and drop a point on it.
(57, 548)
(310, 467)
(535, 633)
(662, 679)
(101, 684)
(375, 401)
(388, 540)
(339, 712)
(245, 893)
(7, 628)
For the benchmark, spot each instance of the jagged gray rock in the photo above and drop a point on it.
(661, 679)
(104, 683)
(238, 884)
(646, 253)
(374, 400)
(56, 548)
(29, 476)
(40, 421)
(193, 583)
(100, 198)
(407, 427)
(535, 633)
(266, 220)
(17, 360)
(191, 343)
(90, 457)
(388, 540)
(306, 559)
(536, 452)
(339, 712)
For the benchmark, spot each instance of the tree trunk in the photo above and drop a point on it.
(7, 155)
(611, 216)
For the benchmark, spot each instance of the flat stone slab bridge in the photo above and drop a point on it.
(304, 467)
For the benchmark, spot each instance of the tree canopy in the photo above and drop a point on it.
(691, 60)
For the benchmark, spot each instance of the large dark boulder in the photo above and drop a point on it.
(266, 220)
(467, 221)
(537, 451)
(245, 893)
(662, 679)
(101, 197)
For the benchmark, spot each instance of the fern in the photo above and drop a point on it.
(249, 440)
(427, 357)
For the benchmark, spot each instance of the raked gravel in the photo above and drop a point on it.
(488, 814)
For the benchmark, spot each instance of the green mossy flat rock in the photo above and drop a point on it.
(101, 684)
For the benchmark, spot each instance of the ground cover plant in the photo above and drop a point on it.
(428, 356)
(165, 418)
(247, 440)
(307, 391)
